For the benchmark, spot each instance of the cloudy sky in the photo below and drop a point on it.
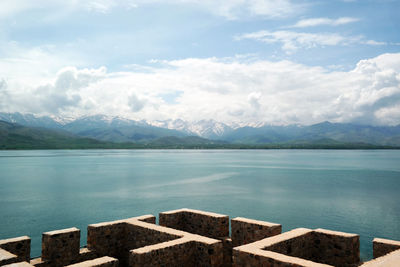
(235, 61)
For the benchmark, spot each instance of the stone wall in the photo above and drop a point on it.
(99, 262)
(382, 246)
(196, 238)
(302, 247)
(7, 257)
(106, 238)
(335, 248)
(207, 224)
(174, 253)
(141, 235)
(270, 259)
(19, 264)
(208, 253)
(117, 238)
(295, 243)
(20, 246)
(391, 259)
(197, 222)
(139, 242)
(61, 247)
(245, 231)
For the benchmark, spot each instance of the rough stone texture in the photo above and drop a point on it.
(201, 250)
(7, 257)
(61, 247)
(335, 248)
(20, 246)
(270, 259)
(245, 231)
(107, 239)
(19, 264)
(208, 253)
(139, 241)
(227, 251)
(295, 243)
(187, 251)
(318, 246)
(173, 253)
(197, 222)
(391, 259)
(147, 218)
(86, 254)
(117, 238)
(99, 262)
(141, 235)
(382, 246)
(38, 262)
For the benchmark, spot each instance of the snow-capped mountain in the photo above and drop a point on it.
(30, 120)
(118, 129)
(101, 121)
(101, 127)
(205, 128)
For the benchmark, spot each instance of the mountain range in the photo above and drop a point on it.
(107, 129)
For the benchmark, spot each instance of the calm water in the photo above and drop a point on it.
(350, 191)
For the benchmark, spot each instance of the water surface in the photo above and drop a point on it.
(354, 191)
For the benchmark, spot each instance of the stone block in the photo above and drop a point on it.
(198, 222)
(335, 248)
(20, 246)
(19, 264)
(382, 246)
(61, 247)
(107, 238)
(301, 247)
(173, 253)
(208, 253)
(7, 257)
(254, 258)
(147, 218)
(195, 238)
(38, 262)
(392, 259)
(99, 262)
(227, 251)
(245, 231)
(87, 254)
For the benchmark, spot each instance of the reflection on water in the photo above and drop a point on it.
(352, 191)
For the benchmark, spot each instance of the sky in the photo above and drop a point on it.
(244, 62)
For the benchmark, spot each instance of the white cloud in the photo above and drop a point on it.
(231, 90)
(54, 97)
(37, 64)
(3, 92)
(135, 103)
(292, 41)
(234, 9)
(324, 21)
(273, 8)
(254, 99)
(231, 9)
(372, 42)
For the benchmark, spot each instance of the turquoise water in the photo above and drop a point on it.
(355, 191)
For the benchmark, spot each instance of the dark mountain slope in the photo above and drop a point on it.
(341, 132)
(14, 136)
(118, 130)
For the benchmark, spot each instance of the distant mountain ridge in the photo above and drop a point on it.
(342, 132)
(15, 136)
(205, 128)
(118, 129)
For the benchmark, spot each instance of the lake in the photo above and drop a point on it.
(355, 191)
